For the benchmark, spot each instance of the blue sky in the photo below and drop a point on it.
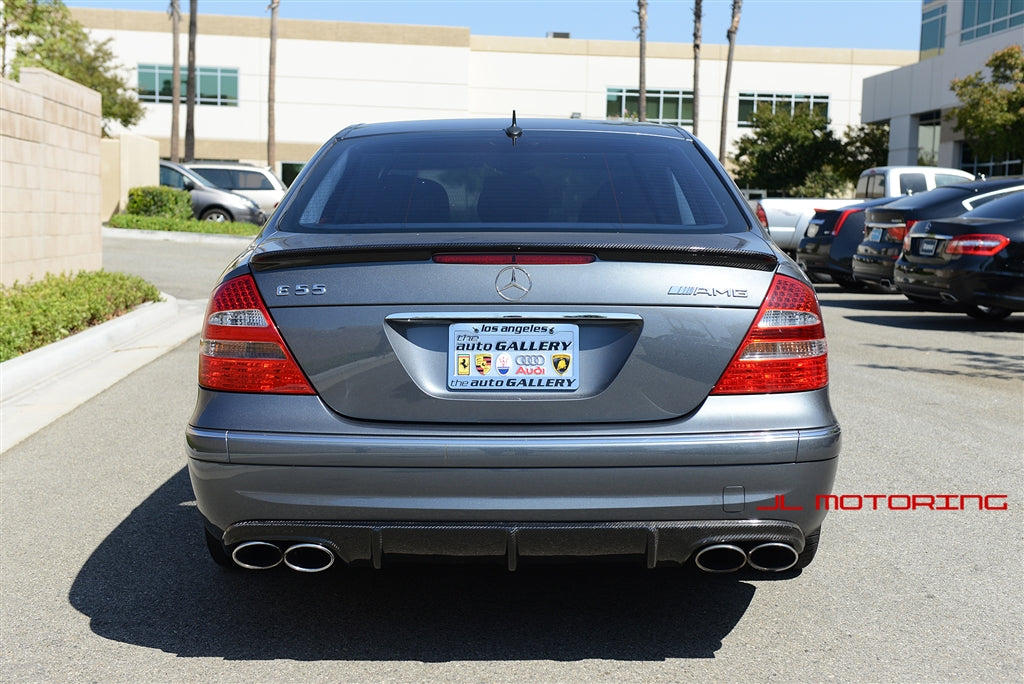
(874, 24)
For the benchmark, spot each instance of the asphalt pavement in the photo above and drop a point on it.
(38, 387)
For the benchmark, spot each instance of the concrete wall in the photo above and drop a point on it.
(128, 161)
(49, 177)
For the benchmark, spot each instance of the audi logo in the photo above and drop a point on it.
(530, 360)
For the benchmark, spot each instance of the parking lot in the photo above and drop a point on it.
(104, 575)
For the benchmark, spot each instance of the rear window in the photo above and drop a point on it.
(947, 178)
(870, 186)
(912, 182)
(479, 180)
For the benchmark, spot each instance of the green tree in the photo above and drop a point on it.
(991, 111)
(790, 153)
(864, 146)
(44, 34)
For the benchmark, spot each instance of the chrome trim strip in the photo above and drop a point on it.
(453, 316)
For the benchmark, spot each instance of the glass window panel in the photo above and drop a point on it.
(653, 108)
(686, 111)
(746, 111)
(632, 106)
(984, 11)
(970, 14)
(147, 84)
(670, 108)
(229, 87)
(614, 109)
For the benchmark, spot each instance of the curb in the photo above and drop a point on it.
(174, 236)
(38, 387)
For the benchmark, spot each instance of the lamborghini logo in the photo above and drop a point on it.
(561, 362)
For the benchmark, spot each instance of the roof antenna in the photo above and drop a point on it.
(514, 131)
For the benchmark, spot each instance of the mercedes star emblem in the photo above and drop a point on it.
(512, 283)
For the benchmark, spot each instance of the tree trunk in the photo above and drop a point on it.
(641, 12)
(271, 87)
(731, 35)
(190, 84)
(698, 15)
(175, 11)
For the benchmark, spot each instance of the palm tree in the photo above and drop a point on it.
(190, 83)
(175, 12)
(271, 139)
(698, 14)
(641, 11)
(734, 26)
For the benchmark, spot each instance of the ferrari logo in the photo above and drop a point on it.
(462, 364)
(561, 362)
(483, 364)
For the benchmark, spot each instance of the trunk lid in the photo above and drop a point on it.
(640, 333)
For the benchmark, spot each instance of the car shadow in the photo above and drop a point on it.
(151, 583)
(896, 311)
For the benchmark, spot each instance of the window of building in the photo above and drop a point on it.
(663, 106)
(929, 127)
(985, 17)
(933, 30)
(787, 102)
(216, 86)
(1007, 166)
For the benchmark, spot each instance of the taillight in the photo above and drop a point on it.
(842, 219)
(761, 216)
(785, 349)
(897, 233)
(241, 350)
(977, 245)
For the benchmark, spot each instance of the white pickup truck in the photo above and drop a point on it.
(786, 218)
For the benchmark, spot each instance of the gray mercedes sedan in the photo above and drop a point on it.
(513, 341)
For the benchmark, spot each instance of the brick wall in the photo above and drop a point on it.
(49, 177)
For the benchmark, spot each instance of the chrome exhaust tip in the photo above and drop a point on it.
(773, 557)
(721, 558)
(308, 557)
(257, 555)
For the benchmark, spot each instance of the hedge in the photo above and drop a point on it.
(159, 200)
(37, 313)
(190, 225)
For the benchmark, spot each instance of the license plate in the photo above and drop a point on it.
(876, 234)
(513, 357)
(927, 247)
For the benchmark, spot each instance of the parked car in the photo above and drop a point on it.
(258, 184)
(786, 218)
(210, 203)
(830, 240)
(558, 338)
(896, 181)
(886, 226)
(974, 262)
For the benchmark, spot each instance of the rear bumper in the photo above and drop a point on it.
(476, 511)
(961, 286)
(652, 543)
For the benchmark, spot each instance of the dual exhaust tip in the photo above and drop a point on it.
(304, 557)
(716, 558)
(770, 557)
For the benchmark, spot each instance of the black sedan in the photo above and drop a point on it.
(974, 262)
(886, 226)
(826, 250)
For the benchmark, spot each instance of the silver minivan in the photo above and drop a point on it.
(258, 184)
